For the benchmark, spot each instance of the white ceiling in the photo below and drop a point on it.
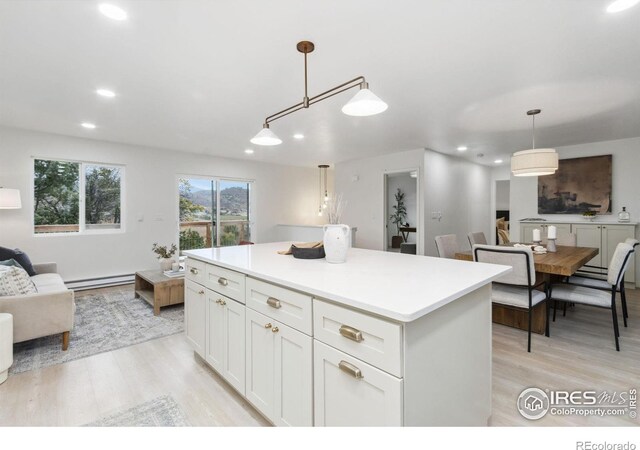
(201, 75)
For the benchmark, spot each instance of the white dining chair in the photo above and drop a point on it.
(517, 288)
(477, 238)
(592, 296)
(447, 246)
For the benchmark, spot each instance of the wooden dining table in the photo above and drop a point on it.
(549, 266)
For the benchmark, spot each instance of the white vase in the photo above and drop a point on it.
(336, 242)
(165, 263)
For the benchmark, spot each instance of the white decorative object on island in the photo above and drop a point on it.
(336, 242)
(382, 340)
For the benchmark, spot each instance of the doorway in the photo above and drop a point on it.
(401, 228)
(502, 206)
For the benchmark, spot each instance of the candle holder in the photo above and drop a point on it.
(536, 243)
(551, 245)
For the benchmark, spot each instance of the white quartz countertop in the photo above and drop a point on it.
(398, 286)
(307, 226)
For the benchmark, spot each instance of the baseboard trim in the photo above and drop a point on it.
(93, 283)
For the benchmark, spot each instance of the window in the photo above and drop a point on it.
(74, 197)
(203, 223)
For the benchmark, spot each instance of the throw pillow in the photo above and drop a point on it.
(20, 257)
(15, 281)
(10, 262)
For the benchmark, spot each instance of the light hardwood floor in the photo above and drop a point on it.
(579, 355)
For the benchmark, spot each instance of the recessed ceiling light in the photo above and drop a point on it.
(112, 11)
(498, 161)
(462, 148)
(621, 5)
(105, 93)
(249, 151)
(88, 125)
(298, 136)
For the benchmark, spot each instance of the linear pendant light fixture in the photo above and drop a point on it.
(364, 103)
(537, 161)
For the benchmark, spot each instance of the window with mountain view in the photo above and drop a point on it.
(73, 197)
(213, 212)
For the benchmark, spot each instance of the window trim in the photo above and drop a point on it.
(82, 230)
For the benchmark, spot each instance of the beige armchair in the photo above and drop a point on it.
(49, 311)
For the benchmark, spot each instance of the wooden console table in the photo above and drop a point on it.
(158, 289)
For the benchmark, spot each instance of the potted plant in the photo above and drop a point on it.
(589, 215)
(398, 217)
(165, 255)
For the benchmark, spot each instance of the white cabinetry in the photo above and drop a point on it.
(195, 315)
(225, 338)
(349, 392)
(604, 236)
(279, 371)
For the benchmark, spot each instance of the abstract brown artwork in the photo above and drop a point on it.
(579, 185)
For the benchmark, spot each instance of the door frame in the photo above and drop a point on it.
(385, 208)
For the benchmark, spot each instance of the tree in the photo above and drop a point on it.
(188, 209)
(230, 235)
(102, 195)
(190, 239)
(56, 192)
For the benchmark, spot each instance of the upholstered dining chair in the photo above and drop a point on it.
(477, 238)
(517, 288)
(598, 280)
(447, 246)
(592, 296)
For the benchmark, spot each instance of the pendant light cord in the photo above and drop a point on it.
(533, 132)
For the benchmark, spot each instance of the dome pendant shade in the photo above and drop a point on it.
(266, 137)
(534, 163)
(364, 103)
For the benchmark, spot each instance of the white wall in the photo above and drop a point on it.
(408, 186)
(283, 194)
(461, 191)
(362, 184)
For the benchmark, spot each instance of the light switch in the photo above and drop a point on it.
(140, 217)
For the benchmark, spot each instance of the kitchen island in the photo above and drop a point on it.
(383, 339)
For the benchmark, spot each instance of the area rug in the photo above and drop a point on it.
(104, 321)
(159, 412)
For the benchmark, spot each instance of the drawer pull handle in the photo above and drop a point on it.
(350, 369)
(221, 302)
(218, 301)
(268, 326)
(351, 333)
(201, 292)
(223, 281)
(194, 271)
(273, 302)
(275, 329)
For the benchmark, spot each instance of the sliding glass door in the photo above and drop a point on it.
(213, 212)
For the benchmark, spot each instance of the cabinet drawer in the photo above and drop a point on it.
(349, 392)
(368, 338)
(225, 281)
(195, 270)
(286, 306)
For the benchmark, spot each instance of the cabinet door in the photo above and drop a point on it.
(342, 399)
(216, 334)
(612, 235)
(195, 316)
(293, 378)
(259, 362)
(561, 229)
(234, 357)
(589, 235)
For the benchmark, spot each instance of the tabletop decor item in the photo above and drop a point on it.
(165, 255)
(336, 235)
(589, 215)
(302, 252)
(624, 216)
(536, 236)
(552, 235)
